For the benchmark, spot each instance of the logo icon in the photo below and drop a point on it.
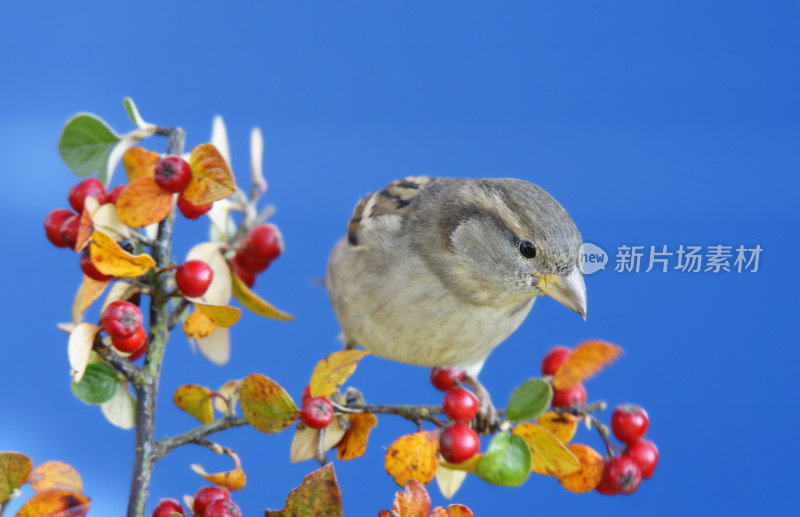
(593, 258)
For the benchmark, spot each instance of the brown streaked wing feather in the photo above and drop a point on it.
(392, 200)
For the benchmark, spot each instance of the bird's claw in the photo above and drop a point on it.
(487, 420)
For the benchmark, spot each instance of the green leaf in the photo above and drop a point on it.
(265, 404)
(14, 470)
(98, 385)
(507, 462)
(133, 113)
(529, 400)
(85, 144)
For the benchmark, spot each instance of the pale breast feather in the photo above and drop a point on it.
(394, 199)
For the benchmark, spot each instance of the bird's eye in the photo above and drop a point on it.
(527, 249)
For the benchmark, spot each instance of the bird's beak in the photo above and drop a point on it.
(568, 289)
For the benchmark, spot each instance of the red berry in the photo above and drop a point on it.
(69, 230)
(88, 187)
(575, 395)
(264, 243)
(52, 226)
(207, 495)
(136, 354)
(114, 193)
(554, 358)
(317, 412)
(248, 278)
(306, 393)
(445, 378)
(173, 173)
(629, 422)
(122, 319)
(604, 488)
(622, 475)
(191, 211)
(645, 453)
(89, 269)
(460, 405)
(459, 443)
(193, 278)
(131, 344)
(166, 507)
(222, 508)
(248, 263)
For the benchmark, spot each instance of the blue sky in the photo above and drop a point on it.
(652, 123)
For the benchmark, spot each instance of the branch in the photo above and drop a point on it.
(414, 413)
(121, 364)
(197, 435)
(176, 313)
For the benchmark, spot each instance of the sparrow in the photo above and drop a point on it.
(439, 271)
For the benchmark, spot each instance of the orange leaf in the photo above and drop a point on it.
(232, 480)
(85, 227)
(14, 470)
(561, 425)
(110, 259)
(55, 474)
(195, 400)
(212, 179)
(548, 455)
(89, 291)
(198, 325)
(354, 443)
(454, 510)
(591, 469)
(139, 162)
(414, 501)
(56, 502)
(333, 370)
(143, 202)
(222, 315)
(586, 359)
(413, 456)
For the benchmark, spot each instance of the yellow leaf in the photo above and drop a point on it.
(195, 400)
(232, 479)
(89, 291)
(591, 472)
(198, 325)
(465, 466)
(586, 359)
(110, 259)
(449, 480)
(222, 315)
(56, 502)
(142, 202)
(139, 163)
(219, 292)
(265, 404)
(212, 179)
(254, 302)
(216, 347)
(14, 470)
(79, 348)
(333, 370)
(230, 392)
(55, 474)
(413, 456)
(354, 443)
(106, 219)
(561, 425)
(548, 455)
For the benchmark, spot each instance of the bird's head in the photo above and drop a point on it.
(512, 241)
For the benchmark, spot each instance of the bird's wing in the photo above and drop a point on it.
(378, 208)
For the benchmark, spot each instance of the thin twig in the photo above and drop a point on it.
(121, 364)
(197, 434)
(413, 413)
(177, 311)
